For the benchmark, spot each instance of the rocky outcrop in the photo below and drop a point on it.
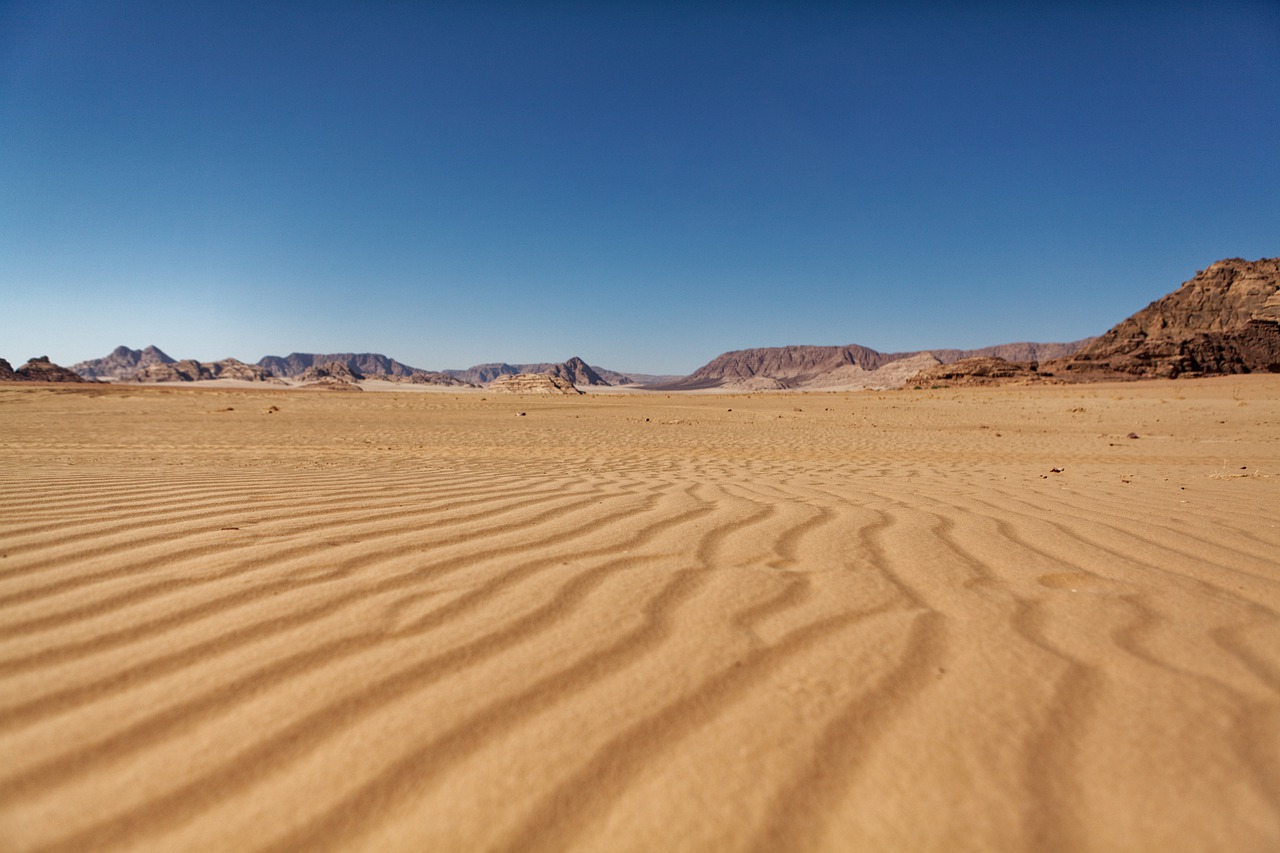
(432, 377)
(894, 374)
(190, 370)
(41, 369)
(331, 383)
(982, 370)
(295, 364)
(330, 370)
(1224, 320)
(1022, 351)
(121, 362)
(575, 371)
(185, 370)
(532, 383)
(7, 373)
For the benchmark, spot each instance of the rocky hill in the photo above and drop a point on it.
(38, 369)
(532, 383)
(1224, 320)
(121, 362)
(190, 370)
(977, 370)
(364, 363)
(574, 370)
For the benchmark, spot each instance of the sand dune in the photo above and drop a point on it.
(810, 622)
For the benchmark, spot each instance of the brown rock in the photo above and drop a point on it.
(42, 370)
(6, 372)
(331, 383)
(190, 370)
(1225, 320)
(331, 370)
(121, 362)
(532, 383)
(983, 370)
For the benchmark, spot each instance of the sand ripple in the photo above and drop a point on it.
(632, 623)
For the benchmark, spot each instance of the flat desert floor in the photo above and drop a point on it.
(980, 619)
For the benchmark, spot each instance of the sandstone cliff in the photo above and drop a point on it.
(1224, 320)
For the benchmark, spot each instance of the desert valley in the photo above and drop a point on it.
(805, 598)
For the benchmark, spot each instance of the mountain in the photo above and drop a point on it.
(840, 366)
(38, 370)
(574, 370)
(365, 363)
(1224, 320)
(121, 362)
(190, 370)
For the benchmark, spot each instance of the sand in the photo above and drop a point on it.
(259, 619)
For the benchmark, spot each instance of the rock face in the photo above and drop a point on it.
(981, 370)
(1225, 320)
(532, 383)
(42, 370)
(6, 372)
(575, 371)
(121, 362)
(190, 370)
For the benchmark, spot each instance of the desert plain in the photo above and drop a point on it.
(1006, 618)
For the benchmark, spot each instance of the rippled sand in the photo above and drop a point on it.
(810, 622)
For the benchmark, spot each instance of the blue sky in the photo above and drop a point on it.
(642, 184)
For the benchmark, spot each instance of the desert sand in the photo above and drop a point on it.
(978, 619)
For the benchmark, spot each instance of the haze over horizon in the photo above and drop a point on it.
(644, 185)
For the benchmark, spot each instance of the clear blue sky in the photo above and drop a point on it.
(642, 184)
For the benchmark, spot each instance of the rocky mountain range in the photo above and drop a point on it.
(190, 370)
(850, 366)
(364, 363)
(121, 362)
(1224, 320)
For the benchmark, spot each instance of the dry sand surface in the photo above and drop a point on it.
(873, 621)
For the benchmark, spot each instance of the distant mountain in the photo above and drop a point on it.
(38, 369)
(190, 370)
(121, 362)
(352, 366)
(1224, 320)
(365, 363)
(574, 370)
(840, 366)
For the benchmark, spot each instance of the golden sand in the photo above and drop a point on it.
(271, 620)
